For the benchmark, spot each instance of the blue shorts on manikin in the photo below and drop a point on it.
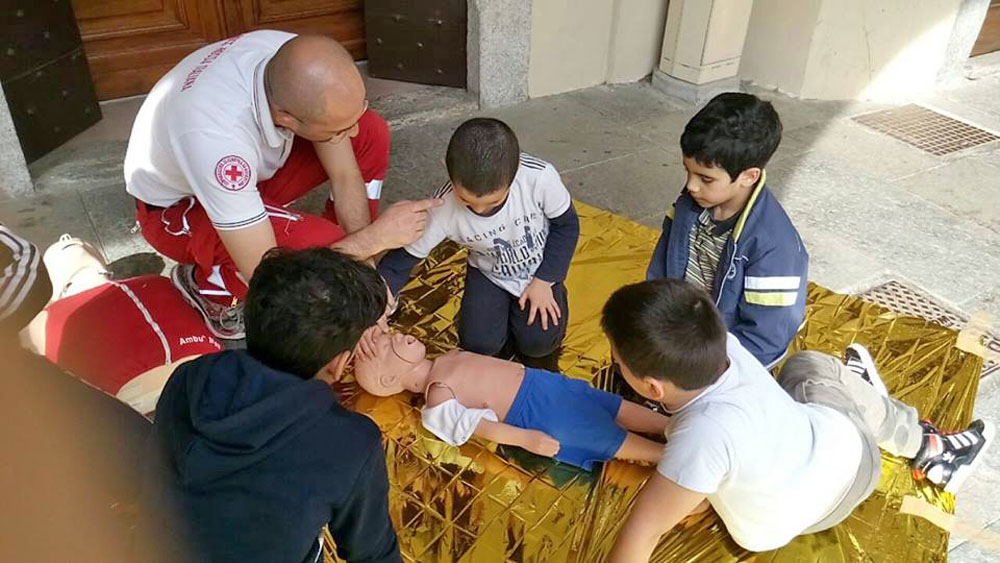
(580, 417)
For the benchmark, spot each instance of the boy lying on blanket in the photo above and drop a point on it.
(543, 412)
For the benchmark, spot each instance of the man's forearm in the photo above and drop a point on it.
(352, 203)
(361, 245)
(248, 245)
(347, 187)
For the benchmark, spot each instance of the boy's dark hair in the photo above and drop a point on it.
(734, 132)
(304, 307)
(483, 155)
(669, 330)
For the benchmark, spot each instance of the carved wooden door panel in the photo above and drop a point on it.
(341, 19)
(130, 44)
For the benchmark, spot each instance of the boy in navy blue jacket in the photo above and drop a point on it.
(251, 452)
(728, 235)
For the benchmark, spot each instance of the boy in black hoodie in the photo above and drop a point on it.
(252, 451)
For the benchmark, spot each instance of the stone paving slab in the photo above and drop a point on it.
(641, 185)
(948, 255)
(42, 219)
(973, 503)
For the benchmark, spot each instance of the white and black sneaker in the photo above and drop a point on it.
(859, 360)
(224, 322)
(947, 459)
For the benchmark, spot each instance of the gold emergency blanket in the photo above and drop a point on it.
(480, 503)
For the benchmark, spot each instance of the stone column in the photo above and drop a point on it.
(14, 177)
(702, 45)
(499, 40)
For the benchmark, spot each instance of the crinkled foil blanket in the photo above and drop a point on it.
(481, 503)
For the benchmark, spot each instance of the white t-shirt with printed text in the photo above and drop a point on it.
(507, 247)
(771, 467)
(205, 130)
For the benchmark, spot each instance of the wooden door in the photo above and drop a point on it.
(130, 44)
(989, 35)
(417, 41)
(44, 75)
(341, 19)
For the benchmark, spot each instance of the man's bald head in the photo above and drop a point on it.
(314, 79)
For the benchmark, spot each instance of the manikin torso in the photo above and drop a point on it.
(475, 381)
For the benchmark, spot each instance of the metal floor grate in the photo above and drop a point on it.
(907, 300)
(926, 129)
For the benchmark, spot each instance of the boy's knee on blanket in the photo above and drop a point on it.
(481, 342)
(534, 342)
(808, 366)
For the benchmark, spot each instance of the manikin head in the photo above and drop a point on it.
(396, 366)
(74, 267)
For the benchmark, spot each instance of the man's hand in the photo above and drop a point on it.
(539, 296)
(400, 224)
(403, 222)
(540, 443)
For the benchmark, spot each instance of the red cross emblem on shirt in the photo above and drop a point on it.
(232, 172)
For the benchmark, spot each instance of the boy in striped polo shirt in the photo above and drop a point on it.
(728, 235)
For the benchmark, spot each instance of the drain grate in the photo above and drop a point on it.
(926, 129)
(907, 300)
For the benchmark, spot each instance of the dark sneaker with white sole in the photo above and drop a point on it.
(859, 360)
(947, 459)
(224, 322)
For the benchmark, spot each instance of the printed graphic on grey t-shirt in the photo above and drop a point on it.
(515, 257)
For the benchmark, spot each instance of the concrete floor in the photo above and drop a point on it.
(868, 207)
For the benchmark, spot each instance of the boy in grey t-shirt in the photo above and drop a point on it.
(517, 220)
(775, 459)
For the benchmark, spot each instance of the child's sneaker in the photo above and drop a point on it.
(859, 360)
(947, 459)
(224, 322)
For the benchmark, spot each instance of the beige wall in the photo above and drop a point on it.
(581, 43)
(636, 38)
(845, 49)
(777, 45)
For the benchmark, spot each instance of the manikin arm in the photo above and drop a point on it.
(638, 418)
(534, 441)
(531, 440)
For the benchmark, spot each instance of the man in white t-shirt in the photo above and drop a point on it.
(232, 135)
(516, 218)
(774, 461)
